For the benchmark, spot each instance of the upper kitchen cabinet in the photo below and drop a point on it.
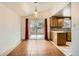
(53, 21)
(61, 19)
(60, 22)
(56, 22)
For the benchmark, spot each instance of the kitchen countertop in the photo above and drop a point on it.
(59, 31)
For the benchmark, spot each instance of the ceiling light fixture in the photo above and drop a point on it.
(36, 11)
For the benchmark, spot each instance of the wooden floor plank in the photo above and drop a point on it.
(36, 48)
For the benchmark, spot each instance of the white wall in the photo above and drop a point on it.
(67, 10)
(9, 30)
(75, 28)
(23, 28)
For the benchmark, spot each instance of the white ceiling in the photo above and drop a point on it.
(27, 8)
(66, 11)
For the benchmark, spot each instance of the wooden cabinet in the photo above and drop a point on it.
(68, 36)
(60, 23)
(53, 22)
(61, 38)
(56, 22)
(51, 36)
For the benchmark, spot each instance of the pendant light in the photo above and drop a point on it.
(36, 11)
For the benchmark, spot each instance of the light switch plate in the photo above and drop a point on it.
(74, 25)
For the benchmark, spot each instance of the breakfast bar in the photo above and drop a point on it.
(59, 37)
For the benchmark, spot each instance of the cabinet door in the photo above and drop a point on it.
(69, 36)
(60, 23)
(56, 23)
(51, 22)
(51, 36)
(61, 38)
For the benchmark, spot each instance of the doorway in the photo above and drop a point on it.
(36, 29)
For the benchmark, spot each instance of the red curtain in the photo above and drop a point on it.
(26, 29)
(46, 30)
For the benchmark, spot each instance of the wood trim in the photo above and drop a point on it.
(61, 17)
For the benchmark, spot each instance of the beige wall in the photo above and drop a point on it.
(75, 28)
(9, 30)
(23, 27)
(48, 20)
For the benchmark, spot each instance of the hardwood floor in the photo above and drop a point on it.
(36, 48)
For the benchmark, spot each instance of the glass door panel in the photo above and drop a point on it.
(40, 29)
(36, 29)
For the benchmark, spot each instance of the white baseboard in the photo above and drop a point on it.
(10, 49)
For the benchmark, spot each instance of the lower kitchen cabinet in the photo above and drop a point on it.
(61, 38)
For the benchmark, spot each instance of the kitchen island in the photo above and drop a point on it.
(59, 37)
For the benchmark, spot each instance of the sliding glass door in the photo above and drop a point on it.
(36, 29)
